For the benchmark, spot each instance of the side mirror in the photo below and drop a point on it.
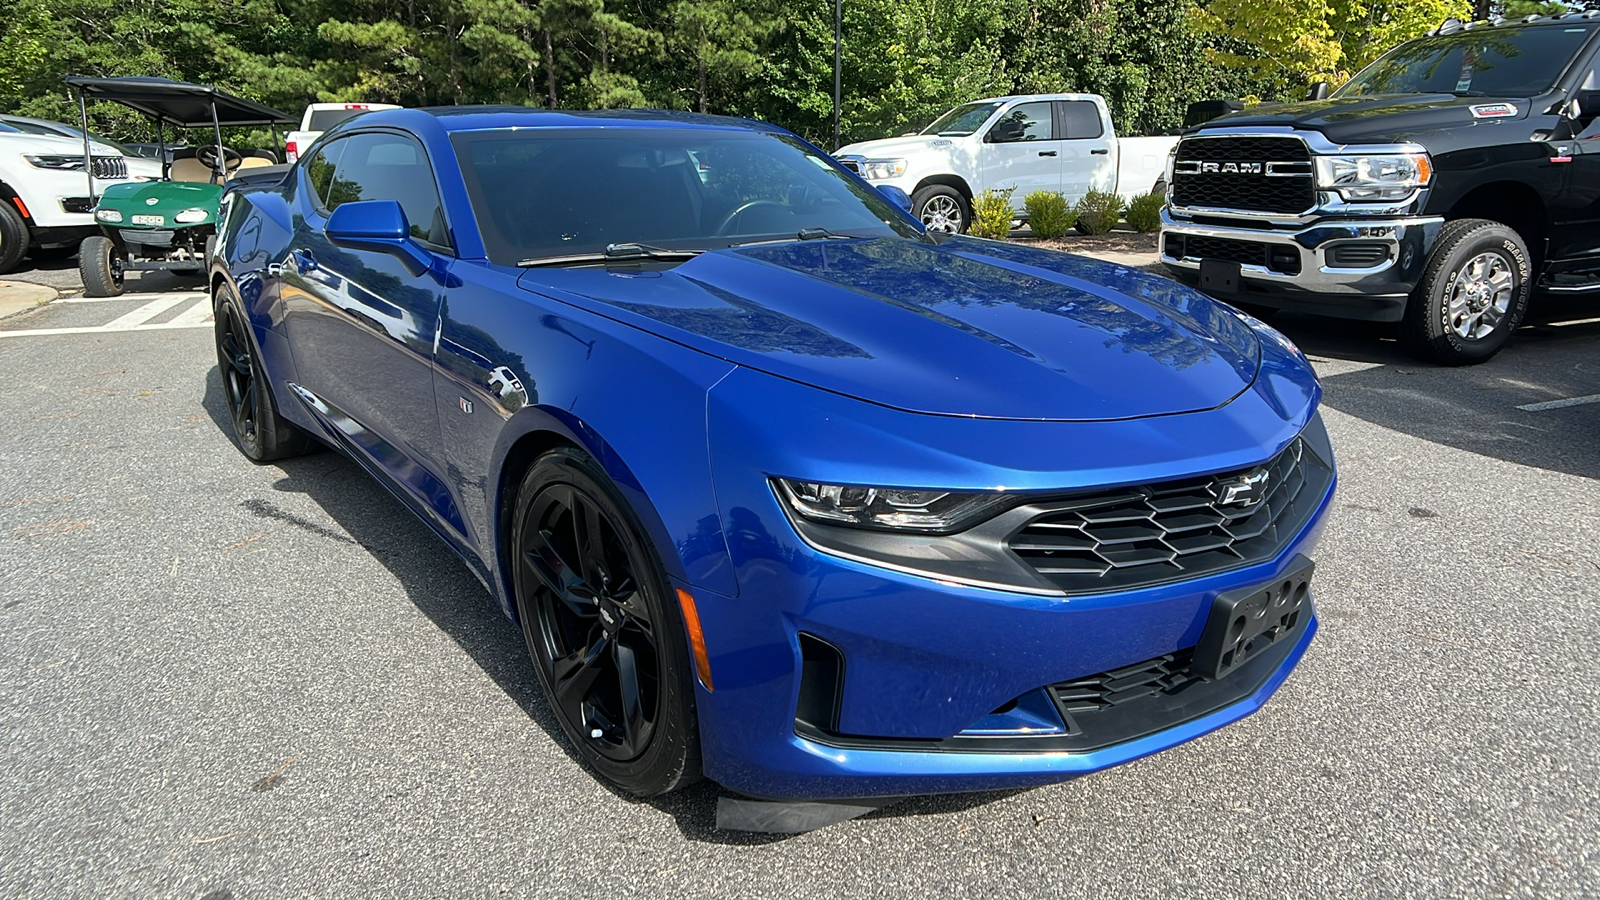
(377, 225)
(1004, 133)
(1588, 104)
(896, 196)
(1318, 91)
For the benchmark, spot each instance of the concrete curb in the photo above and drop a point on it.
(19, 296)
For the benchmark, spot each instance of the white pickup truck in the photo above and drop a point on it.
(1034, 142)
(319, 117)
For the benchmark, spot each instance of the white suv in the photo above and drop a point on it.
(45, 194)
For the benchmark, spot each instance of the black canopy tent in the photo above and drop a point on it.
(176, 103)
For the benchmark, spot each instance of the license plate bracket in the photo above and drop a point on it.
(1243, 623)
(1219, 276)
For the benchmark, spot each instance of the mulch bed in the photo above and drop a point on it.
(1116, 242)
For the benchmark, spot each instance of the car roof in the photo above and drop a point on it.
(483, 118)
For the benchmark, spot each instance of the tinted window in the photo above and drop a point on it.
(1034, 119)
(1080, 119)
(546, 192)
(1492, 62)
(323, 119)
(382, 166)
(319, 169)
(963, 120)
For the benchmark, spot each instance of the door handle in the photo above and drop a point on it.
(1103, 151)
(1047, 153)
(274, 270)
(303, 260)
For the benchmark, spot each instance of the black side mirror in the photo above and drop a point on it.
(1318, 91)
(1005, 133)
(1588, 104)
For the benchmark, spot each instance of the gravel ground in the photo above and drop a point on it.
(228, 681)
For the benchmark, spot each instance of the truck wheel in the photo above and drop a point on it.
(13, 237)
(941, 208)
(100, 264)
(1473, 293)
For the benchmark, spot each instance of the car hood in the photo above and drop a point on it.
(53, 144)
(161, 198)
(963, 327)
(1349, 120)
(895, 147)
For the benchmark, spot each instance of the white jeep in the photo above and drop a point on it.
(45, 195)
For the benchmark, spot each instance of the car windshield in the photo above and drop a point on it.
(562, 192)
(963, 120)
(1483, 62)
(323, 119)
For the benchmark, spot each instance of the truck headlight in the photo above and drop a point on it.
(887, 509)
(190, 216)
(112, 216)
(59, 162)
(1386, 177)
(879, 169)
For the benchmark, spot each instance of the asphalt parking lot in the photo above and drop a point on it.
(229, 681)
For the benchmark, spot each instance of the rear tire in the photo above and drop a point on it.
(262, 434)
(100, 264)
(13, 236)
(1472, 296)
(942, 208)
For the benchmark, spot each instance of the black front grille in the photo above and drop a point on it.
(110, 167)
(1133, 537)
(76, 204)
(1082, 697)
(1276, 257)
(1283, 183)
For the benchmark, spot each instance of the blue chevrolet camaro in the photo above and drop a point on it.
(781, 489)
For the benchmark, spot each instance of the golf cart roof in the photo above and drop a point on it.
(178, 102)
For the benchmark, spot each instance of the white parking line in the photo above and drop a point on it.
(122, 297)
(1560, 404)
(196, 316)
(143, 314)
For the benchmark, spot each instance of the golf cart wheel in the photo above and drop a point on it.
(100, 263)
(13, 237)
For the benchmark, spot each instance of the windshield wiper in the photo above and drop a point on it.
(612, 253)
(806, 234)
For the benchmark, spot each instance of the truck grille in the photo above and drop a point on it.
(1274, 257)
(1250, 174)
(110, 167)
(1134, 537)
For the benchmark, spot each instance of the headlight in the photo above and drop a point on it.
(879, 169)
(56, 161)
(108, 215)
(190, 216)
(887, 509)
(1374, 177)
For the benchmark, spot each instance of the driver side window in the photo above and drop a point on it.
(1023, 122)
(319, 174)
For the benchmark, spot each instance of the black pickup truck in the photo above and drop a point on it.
(1438, 188)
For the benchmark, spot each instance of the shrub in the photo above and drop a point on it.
(1049, 215)
(992, 214)
(1144, 212)
(1098, 212)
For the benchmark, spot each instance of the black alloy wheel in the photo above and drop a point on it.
(609, 649)
(262, 434)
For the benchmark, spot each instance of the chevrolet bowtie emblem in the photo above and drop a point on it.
(1243, 490)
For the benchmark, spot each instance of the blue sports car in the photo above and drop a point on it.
(782, 490)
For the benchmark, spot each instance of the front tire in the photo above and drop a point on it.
(100, 264)
(13, 236)
(942, 208)
(1473, 294)
(602, 627)
(263, 435)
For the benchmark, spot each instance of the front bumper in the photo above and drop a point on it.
(60, 199)
(1301, 268)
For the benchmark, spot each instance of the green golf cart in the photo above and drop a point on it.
(169, 224)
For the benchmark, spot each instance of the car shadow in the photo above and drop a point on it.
(459, 606)
(1367, 373)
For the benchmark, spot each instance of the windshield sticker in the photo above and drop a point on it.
(1493, 110)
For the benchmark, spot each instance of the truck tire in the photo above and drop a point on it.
(1472, 296)
(13, 237)
(941, 207)
(100, 264)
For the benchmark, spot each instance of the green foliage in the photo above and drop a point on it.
(1049, 214)
(1144, 212)
(992, 214)
(1098, 212)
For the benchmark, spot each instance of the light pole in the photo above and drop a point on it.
(838, 27)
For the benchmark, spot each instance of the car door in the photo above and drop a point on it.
(1575, 207)
(1020, 151)
(361, 325)
(1088, 151)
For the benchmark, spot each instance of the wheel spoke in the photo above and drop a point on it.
(630, 600)
(574, 675)
(589, 540)
(556, 575)
(634, 727)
